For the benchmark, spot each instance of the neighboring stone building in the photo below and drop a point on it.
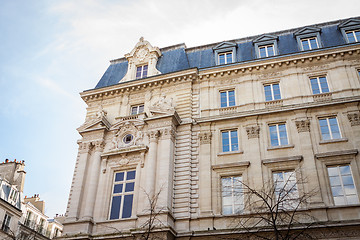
(22, 220)
(184, 123)
(12, 176)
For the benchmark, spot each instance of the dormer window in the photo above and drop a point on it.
(225, 58)
(351, 30)
(225, 53)
(266, 51)
(266, 46)
(309, 43)
(141, 71)
(308, 38)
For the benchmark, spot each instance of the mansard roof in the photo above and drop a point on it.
(179, 57)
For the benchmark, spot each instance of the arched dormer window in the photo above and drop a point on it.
(142, 61)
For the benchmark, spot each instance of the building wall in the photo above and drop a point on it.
(176, 148)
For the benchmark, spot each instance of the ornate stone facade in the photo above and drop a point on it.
(177, 137)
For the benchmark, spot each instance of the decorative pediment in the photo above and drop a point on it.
(224, 45)
(142, 54)
(307, 30)
(264, 38)
(99, 122)
(350, 23)
(127, 133)
(164, 105)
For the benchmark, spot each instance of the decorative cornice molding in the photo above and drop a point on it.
(336, 153)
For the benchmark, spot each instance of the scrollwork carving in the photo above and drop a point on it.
(253, 131)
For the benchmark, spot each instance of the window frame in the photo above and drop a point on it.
(266, 47)
(138, 107)
(347, 26)
(308, 33)
(123, 193)
(142, 75)
(278, 134)
(227, 98)
(229, 131)
(225, 57)
(354, 35)
(307, 39)
(331, 133)
(287, 197)
(233, 196)
(266, 40)
(6, 222)
(272, 91)
(337, 166)
(319, 85)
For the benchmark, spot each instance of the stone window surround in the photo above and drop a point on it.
(239, 151)
(227, 170)
(268, 124)
(336, 158)
(340, 124)
(272, 90)
(226, 90)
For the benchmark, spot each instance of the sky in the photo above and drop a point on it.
(51, 50)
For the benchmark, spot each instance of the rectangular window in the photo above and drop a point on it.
(319, 85)
(309, 43)
(122, 194)
(227, 98)
(286, 191)
(266, 51)
(272, 92)
(137, 109)
(329, 128)
(225, 58)
(232, 195)
(141, 71)
(278, 135)
(230, 141)
(353, 36)
(6, 223)
(342, 185)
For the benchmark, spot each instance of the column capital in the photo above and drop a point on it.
(205, 137)
(167, 133)
(253, 131)
(84, 147)
(153, 135)
(354, 118)
(98, 145)
(303, 125)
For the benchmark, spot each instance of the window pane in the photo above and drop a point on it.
(229, 58)
(141, 108)
(119, 176)
(339, 200)
(225, 141)
(130, 175)
(345, 170)
(145, 70)
(115, 207)
(270, 51)
(332, 171)
(262, 52)
(313, 43)
(347, 180)
(324, 85)
(118, 188)
(350, 36)
(335, 181)
(268, 96)
(223, 99)
(305, 44)
(315, 86)
(222, 59)
(129, 187)
(276, 89)
(128, 200)
(231, 98)
(357, 35)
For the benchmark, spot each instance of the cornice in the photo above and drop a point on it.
(139, 84)
(280, 61)
(284, 108)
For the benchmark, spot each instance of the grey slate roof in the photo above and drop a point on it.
(177, 58)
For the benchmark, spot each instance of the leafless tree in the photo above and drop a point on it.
(276, 211)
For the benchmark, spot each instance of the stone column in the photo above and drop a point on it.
(205, 170)
(152, 159)
(165, 168)
(309, 171)
(92, 180)
(77, 191)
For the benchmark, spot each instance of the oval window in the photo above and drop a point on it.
(128, 138)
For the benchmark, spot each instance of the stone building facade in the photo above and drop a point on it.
(179, 125)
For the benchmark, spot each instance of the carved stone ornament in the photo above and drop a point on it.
(128, 134)
(153, 135)
(205, 137)
(84, 147)
(163, 105)
(95, 121)
(143, 54)
(354, 119)
(253, 132)
(303, 125)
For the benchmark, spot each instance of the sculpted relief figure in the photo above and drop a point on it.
(163, 105)
(128, 135)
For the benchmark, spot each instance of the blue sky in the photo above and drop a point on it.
(50, 50)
